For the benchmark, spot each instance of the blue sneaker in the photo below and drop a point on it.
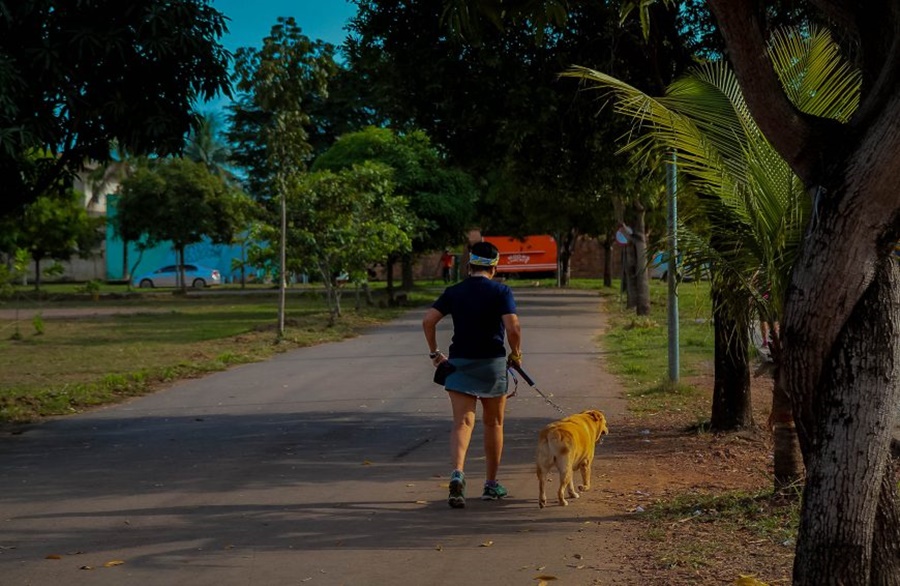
(457, 498)
(493, 491)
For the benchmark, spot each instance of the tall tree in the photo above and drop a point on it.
(441, 199)
(507, 119)
(341, 222)
(206, 144)
(180, 201)
(76, 76)
(57, 226)
(841, 335)
(270, 121)
(757, 207)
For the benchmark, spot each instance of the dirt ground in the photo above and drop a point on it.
(658, 459)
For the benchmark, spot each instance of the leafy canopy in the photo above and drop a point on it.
(74, 76)
(442, 199)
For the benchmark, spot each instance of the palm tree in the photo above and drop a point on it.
(758, 209)
(205, 145)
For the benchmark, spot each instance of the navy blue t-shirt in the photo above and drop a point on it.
(477, 306)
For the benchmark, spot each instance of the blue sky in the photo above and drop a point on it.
(251, 20)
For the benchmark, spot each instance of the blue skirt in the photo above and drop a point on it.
(481, 377)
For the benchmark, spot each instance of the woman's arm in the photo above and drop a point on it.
(513, 337)
(429, 326)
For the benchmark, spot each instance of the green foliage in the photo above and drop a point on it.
(270, 121)
(178, 200)
(76, 76)
(346, 221)
(441, 199)
(537, 147)
(55, 225)
(38, 323)
(757, 207)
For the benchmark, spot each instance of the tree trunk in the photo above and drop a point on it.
(389, 275)
(788, 460)
(407, 272)
(849, 525)
(629, 276)
(607, 258)
(841, 325)
(125, 273)
(641, 275)
(180, 257)
(37, 274)
(565, 256)
(332, 299)
(731, 406)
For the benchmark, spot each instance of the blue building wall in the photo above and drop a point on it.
(205, 253)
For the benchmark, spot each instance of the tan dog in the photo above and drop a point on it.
(568, 445)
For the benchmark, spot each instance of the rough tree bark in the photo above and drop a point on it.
(731, 406)
(607, 257)
(566, 248)
(841, 327)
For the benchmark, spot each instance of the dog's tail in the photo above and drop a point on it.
(552, 444)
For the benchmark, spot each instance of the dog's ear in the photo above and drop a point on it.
(595, 415)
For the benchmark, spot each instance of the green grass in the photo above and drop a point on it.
(637, 347)
(761, 514)
(65, 365)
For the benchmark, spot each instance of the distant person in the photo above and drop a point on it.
(483, 313)
(447, 261)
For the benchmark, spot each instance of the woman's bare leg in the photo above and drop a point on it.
(492, 417)
(463, 423)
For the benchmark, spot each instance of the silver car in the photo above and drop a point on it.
(169, 276)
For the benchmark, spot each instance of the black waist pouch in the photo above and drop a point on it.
(443, 370)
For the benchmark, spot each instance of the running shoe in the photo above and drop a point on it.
(493, 491)
(457, 498)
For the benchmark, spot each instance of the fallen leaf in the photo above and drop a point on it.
(86, 568)
(410, 484)
(113, 563)
(366, 463)
(545, 578)
(421, 502)
(439, 547)
(53, 556)
(487, 544)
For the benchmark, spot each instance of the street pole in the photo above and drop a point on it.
(672, 225)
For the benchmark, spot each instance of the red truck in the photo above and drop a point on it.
(531, 254)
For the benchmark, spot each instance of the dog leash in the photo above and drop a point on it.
(514, 369)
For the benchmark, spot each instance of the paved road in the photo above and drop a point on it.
(325, 465)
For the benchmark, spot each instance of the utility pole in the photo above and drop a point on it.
(672, 225)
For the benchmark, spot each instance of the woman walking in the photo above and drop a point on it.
(483, 313)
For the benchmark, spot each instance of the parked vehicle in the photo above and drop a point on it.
(169, 276)
(531, 254)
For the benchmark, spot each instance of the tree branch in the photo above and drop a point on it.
(840, 12)
(789, 131)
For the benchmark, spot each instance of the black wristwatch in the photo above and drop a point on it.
(434, 354)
